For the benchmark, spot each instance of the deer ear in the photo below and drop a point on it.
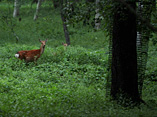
(39, 40)
(46, 40)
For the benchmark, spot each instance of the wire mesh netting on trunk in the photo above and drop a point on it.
(144, 10)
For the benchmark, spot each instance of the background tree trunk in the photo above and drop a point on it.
(16, 8)
(37, 9)
(97, 16)
(124, 57)
(66, 32)
(90, 0)
(55, 3)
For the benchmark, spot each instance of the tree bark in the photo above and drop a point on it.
(124, 83)
(16, 8)
(37, 9)
(66, 32)
(97, 16)
(90, 0)
(55, 3)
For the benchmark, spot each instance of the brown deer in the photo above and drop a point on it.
(31, 55)
(65, 45)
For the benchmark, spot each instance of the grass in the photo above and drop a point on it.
(67, 82)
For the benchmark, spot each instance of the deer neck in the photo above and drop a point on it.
(42, 48)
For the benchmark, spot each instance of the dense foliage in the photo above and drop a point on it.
(65, 82)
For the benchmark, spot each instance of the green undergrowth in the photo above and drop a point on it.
(64, 82)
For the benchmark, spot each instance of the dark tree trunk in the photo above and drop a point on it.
(66, 32)
(90, 0)
(124, 57)
(55, 3)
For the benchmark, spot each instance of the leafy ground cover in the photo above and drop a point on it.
(67, 82)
